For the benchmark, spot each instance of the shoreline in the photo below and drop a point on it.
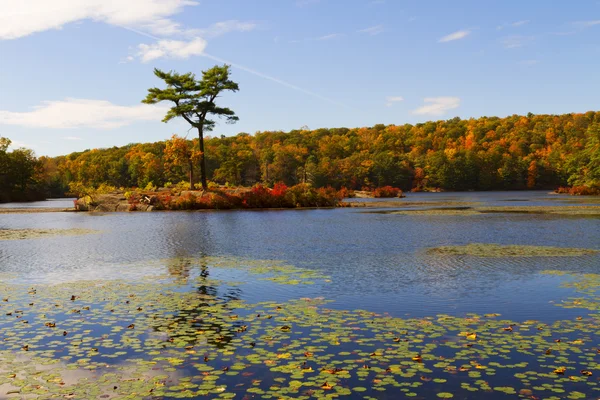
(34, 210)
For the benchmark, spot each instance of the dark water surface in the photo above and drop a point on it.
(369, 261)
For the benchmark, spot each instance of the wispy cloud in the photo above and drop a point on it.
(223, 27)
(529, 63)
(72, 138)
(304, 3)
(587, 24)
(81, 113)
(127, 59)
(16, 144)
(437, 106)
(330, 36)
(390, 100)
(576, 27)
(177, 49)
(274, 79)
(520, 23)
(516, 41)
(455, 36)
(515, 24)
(256, 73)
(23, 18)
(372, 30)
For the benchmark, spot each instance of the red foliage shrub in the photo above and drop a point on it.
(345, 193)
(219, 200)
(579, 190)
(185, 202)
(387, 191)
(279, 189)
(328, 197)
(259, 196)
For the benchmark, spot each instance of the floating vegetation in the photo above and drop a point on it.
(192, 335)
(31, 210)
(555, 210)
(586, 284)
(403, 203)
(497, 250)
(437, 211)
(517, 200)
(269, 270)
(19, 234)
(474, 210)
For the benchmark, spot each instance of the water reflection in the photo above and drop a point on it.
(376, 261)
(210, 310)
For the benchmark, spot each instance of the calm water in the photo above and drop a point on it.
(374, 262)
(50, 203)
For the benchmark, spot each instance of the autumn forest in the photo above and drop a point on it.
(488, 153)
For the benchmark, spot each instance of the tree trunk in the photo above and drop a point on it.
(202, 159)
(191, 166)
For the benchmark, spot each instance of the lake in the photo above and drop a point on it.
(347, 302)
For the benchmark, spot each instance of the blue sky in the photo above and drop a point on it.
(73, 73)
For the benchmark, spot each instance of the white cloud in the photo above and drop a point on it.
(576, 27)
(180, 49)
(81, 113)
(171, 49)
(221, 28)
(16, 144)
(373, 30)
(587, 24)
(513, 42)
(529, 63)
(520, 23)
(127, 60)
(390, 100)
(455, 36)
(72, 138)
(515, 24)
(437, 106)
(19, 18)
(330, 36)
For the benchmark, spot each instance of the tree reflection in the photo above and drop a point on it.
(209, 317)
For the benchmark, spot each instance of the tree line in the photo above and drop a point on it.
(487, 153)
(20, 174)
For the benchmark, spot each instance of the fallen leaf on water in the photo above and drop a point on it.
(560, 370)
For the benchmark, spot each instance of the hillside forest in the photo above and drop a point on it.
(487, 153)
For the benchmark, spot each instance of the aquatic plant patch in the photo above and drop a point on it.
(404, 203)
(20, 234)
(586, 284)
(575, 211)
(461, 211)
(497, 250)
(188, 335)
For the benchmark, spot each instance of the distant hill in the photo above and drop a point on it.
(488, 153)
